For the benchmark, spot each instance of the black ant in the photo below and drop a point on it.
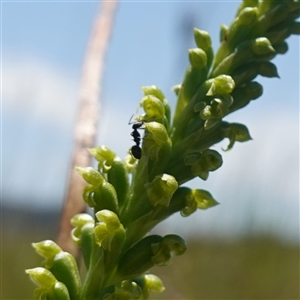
(136, 150)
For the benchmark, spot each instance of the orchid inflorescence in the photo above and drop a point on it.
(130, 197)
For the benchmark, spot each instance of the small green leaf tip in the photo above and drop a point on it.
(160, 191)
(109, 225)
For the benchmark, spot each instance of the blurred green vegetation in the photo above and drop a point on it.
(247, 268)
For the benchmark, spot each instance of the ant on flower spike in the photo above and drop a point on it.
(136, 150)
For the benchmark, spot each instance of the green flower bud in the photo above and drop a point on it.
(244, 52)
(105, 197)
(238, 32)
(153, 107)
(210, 160)
(161, 189)
(171, 245)
(236, 132)
(247, 3)
(247, 16)
(198, 58)
(138, 259)
(194, 77)
(149, 282)
(104, 156)
(130, 163)
(125, 290)
(108, 227)
(203, 41)
(49, 287)
(78, 221)
(118, 177)
(197, 199)
(204, 199)
(156, 138)
(190, 205)
(41, 277)
(262, 46)
(90, 175)
(83, 235)
(222, 84)
(154, 91)
(47, 248)
(61, 264)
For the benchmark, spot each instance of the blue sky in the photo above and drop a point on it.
(43, 47)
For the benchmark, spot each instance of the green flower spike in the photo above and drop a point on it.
(49, 287)
(130, 197)
(61, 264)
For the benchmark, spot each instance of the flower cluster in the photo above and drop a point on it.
(130, 197)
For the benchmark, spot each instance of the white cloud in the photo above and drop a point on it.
(35, 88)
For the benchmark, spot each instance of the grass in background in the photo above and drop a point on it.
(248, 268)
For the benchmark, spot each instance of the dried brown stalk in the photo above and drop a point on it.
(87, 118)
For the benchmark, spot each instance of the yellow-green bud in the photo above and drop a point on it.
(222, 84)
(153, 107)
(198, 58)
(90, 175)
(104, 156)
